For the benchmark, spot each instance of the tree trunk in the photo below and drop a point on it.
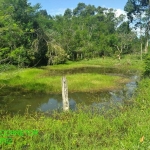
(65, 94)
(146, 47)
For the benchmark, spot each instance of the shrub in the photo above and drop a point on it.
(147, 65)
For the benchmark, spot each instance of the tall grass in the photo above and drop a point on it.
(124, 128)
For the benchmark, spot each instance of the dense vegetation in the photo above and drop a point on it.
(29, 36)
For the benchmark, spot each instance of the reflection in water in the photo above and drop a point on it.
(101, 100)
(117, 98)
(53, 102)
(74, 98)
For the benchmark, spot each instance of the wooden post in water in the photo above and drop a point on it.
(65, 94)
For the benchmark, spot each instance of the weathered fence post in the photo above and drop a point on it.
(65, 94)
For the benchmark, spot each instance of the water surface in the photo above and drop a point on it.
(49, 102)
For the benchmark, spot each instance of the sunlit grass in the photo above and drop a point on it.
(48, 79)
(34, 80)
(93, 82)
(126, 127)
(122, 128)
(128, 61)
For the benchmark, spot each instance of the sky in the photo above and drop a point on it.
(57, 7)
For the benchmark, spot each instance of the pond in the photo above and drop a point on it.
(50, 102)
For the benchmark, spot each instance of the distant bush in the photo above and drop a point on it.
(6, 67)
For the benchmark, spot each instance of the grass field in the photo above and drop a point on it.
(122, 128)
(48, 79)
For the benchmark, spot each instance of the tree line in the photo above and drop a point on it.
(29, 36)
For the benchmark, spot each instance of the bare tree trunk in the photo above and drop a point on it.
(65, 94)
(146, 47)
(49, 59)
(119, 57)
(120, 51)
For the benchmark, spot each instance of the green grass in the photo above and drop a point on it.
(128, 61)
(48, 79)
(124, 128)
(35, 80)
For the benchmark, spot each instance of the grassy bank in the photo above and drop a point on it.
(48, 79)
(35, 80)
(122, 128)
(126, 63)
(125, 128)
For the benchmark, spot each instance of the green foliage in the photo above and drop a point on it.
(7, 67)
(18, 56)
(86, 32)
(124, 28)
(147, 65)
(79, 10)
(56, 54)
(138, 11)
(68, 13)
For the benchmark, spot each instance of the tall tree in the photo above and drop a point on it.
(10, 32)
(79, 10)
(68, 13)
(138, 11)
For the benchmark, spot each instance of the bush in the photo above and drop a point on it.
(147, 65)
(7, 67)
(56, 54)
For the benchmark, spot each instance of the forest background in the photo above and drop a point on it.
(29, 36)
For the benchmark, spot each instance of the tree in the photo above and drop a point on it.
(123, 43)
(124, 28)
(138, 11)
(68, 13)
(79, 10)
(90, 10)
(29, 36)
(10, 32)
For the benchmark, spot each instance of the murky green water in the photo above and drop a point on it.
(44, 103)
